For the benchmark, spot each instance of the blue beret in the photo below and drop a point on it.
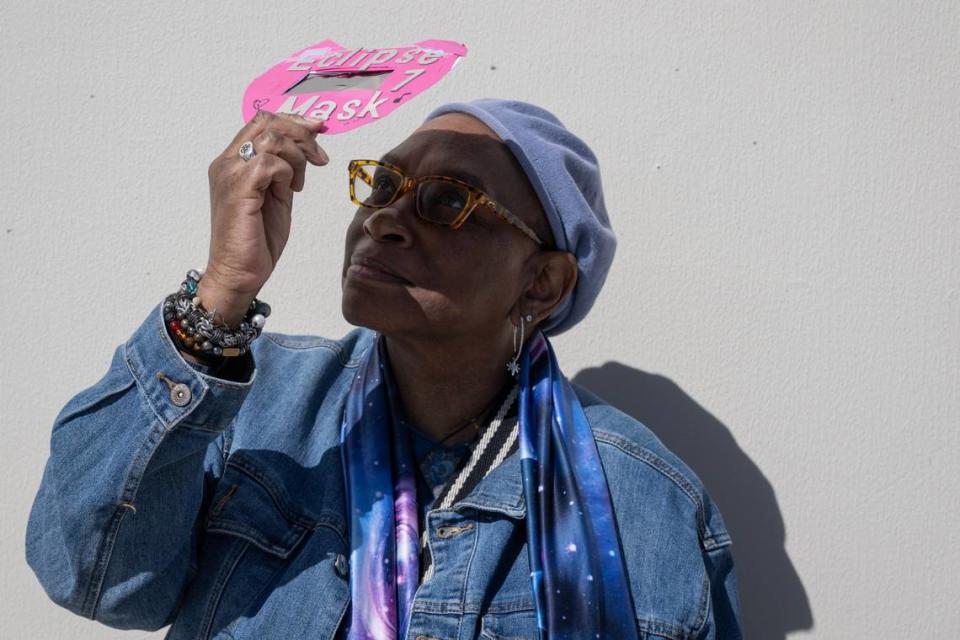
(566, 177)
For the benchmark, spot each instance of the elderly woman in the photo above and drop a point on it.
(431, 475)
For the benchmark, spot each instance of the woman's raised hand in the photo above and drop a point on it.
(250, 207)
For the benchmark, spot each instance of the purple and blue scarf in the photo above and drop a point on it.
(577, 570)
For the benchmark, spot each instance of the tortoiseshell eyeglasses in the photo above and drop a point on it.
(439, 199)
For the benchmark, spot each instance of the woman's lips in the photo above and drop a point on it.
(372, 272)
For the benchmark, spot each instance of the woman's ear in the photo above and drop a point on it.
(554, 276)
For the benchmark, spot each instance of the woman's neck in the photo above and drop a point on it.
(443, 386)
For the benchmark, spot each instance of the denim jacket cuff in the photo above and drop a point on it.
(176, 389)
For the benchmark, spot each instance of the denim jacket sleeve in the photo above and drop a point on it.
(113, 531)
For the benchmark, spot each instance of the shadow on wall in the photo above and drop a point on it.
(773, 601)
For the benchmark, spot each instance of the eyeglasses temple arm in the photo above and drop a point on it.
(514, 220)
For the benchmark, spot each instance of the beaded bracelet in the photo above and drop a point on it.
(198, 330)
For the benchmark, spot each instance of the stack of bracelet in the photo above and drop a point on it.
(197, 330)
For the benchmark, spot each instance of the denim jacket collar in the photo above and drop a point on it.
(501, 491)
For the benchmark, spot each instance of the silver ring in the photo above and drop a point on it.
(246, 151)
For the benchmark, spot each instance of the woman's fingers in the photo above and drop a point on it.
(304, 132)
(299, 129)
(273, 142)
(268, 170)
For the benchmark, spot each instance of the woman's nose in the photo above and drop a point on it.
(388, 225)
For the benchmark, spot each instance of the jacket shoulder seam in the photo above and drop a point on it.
(708, 540)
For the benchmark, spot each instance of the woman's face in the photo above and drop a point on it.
(405, 276)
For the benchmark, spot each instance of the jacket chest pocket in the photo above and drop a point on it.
(251, 509)
(250, 535)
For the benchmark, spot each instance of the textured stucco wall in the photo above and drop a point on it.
(784, 309)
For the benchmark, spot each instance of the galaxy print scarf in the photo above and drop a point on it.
(578, 575)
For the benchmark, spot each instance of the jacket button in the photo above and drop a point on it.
(180, 394)
(341, 565)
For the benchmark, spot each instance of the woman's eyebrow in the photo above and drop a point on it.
(464, 174)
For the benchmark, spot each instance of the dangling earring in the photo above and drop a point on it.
(513, 366)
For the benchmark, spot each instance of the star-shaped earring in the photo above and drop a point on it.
(513, 368)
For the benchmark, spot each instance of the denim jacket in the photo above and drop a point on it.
(174, 497)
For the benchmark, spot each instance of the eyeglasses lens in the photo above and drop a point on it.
(375, 186)
(440, 201)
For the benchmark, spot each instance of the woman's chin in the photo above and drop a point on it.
(377, 311)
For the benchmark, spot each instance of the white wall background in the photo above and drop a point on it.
(784, 309)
